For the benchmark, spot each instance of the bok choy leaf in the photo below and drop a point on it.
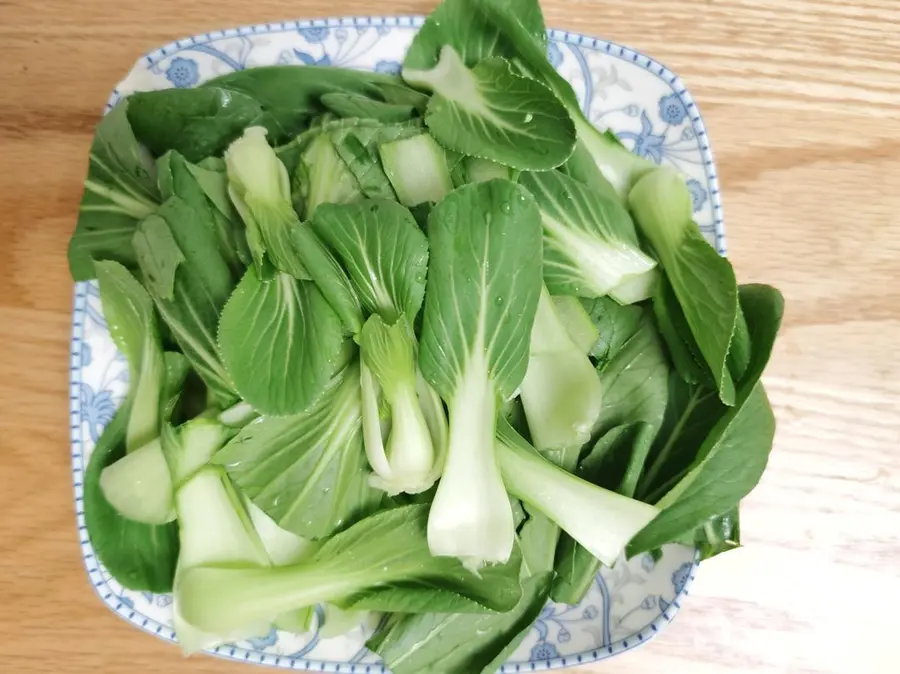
(482, 294)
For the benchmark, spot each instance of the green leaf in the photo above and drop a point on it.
(718, 534)
(356, 142)
(197, 123)
(325, 177)
(308, 472)
(120, 190)
(739, 351)
(206, 191)
(482, 294)
(449, 643)
(576, 568)
(730, 461)
(462, 25)
(735, 455)
(329, 276)
(618, 165)
(690, 413)
(635, 395)
(703, 282)
(616, 324)
(383, 251)
(380, 563)
(280, 341)
(132, 324)
(516, 31)
(158, 255)
(590, 245)
(635, 382)
(290, 95)
(362, 107)
(680, 342)
(460, 643)
(582, 167)
(259, 186)
(139, 556)
(491, 112)
(190, 281)
(483, 285)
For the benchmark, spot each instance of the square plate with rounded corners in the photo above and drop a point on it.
(652, 113)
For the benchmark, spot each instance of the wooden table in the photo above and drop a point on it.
(802, 101)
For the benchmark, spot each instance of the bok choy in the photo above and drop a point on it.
(429, 345)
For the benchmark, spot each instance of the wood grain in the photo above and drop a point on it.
(801, 101)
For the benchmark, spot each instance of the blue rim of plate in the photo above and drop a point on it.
(296, 661)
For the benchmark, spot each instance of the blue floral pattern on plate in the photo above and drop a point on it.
(182, 72)
(649, 109)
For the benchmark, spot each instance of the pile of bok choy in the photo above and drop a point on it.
(427, 345)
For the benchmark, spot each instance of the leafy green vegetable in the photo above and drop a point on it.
(308, 471)
(138, 485)
(412, 460)
(417, 169)
(572, 503)
(703, 282)
(290, 95)
(590, 246)
(620, 167)
(357, 143)
(576, 568)
(120, 190)
(329, 276)
(635, 381)
(460, 643)
(280, 341)
(260, 190)
(358, 106)
(188, 448)
(205, 189)
(561, 392)
(382, 249)
(139, 556)
(325, 177)
(197, 123)
(582, 167)
(396, 571)
(615, 323)
(293, 225)
(732, 457)
(481, 297)
(462, 25)
(215, 529)
(132, 324)
(190, 282)
(492, 112)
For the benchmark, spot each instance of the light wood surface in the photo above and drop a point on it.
(802, 102)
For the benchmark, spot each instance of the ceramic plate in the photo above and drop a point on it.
(649, 109)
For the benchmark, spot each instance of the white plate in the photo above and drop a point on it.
(650, 110)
